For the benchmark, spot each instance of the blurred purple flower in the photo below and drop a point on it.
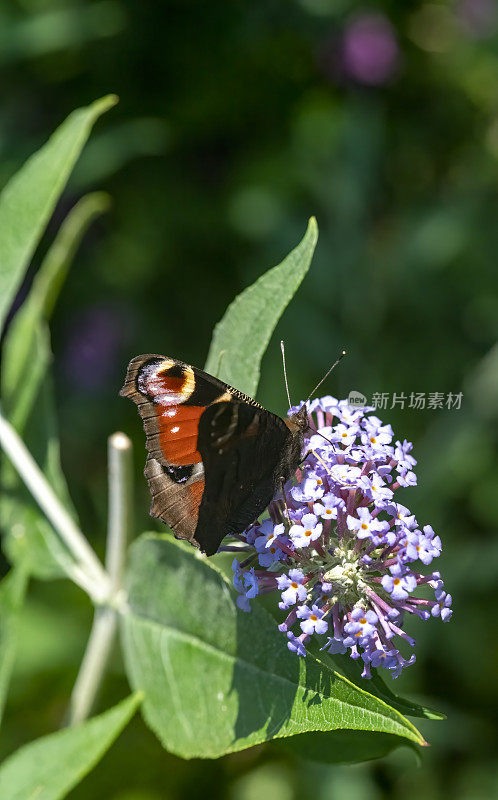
(93, 343)
(478, 17)
(369, 50)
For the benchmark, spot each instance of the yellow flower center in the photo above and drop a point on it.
(294, 585)
(314, 617)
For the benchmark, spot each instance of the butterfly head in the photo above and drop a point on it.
(299, 420)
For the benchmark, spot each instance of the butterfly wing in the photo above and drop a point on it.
(242, 449)
(213, 453)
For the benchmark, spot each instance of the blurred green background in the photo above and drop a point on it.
(238, 121)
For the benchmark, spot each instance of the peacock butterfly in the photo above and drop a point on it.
(215, 456)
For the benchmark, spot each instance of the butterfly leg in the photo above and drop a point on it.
(305, 457)
(282, 483)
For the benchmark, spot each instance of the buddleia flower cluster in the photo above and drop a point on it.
(347, 559)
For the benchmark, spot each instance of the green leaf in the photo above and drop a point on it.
(28, 403)
(29, 199)
(48, 768)
(217, 680)
(352, 670)
(12, 593)
(26, 351)
(241, 337)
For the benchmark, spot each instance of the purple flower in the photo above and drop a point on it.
(377, 439)
(365, 525)
(424, 546)
(326, 508)
(294, 589)
(403, 516)
(266, 543)
(342, 552)
(400, 582)
(313, 621)
(370, 52)
(361, 627)
(344, 434)
(311, 488)
(295, 644)
(402, 455)
(441, 607)
(307, 532)
(335, 646)
(407, 478)
(246, 583)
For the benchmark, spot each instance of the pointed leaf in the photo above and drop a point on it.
(29, 199)
(241, 337)
(48, 768)
(28, 402)
(217, 680)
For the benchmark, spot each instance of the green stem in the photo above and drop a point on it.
(104, 625)
(88, 572)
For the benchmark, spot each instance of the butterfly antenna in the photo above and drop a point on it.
(282, 347)
(334, 365)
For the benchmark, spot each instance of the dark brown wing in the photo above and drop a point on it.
(244, 451)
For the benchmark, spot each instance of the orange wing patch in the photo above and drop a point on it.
(178, 426)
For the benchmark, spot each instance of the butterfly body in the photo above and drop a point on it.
(215, 456)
